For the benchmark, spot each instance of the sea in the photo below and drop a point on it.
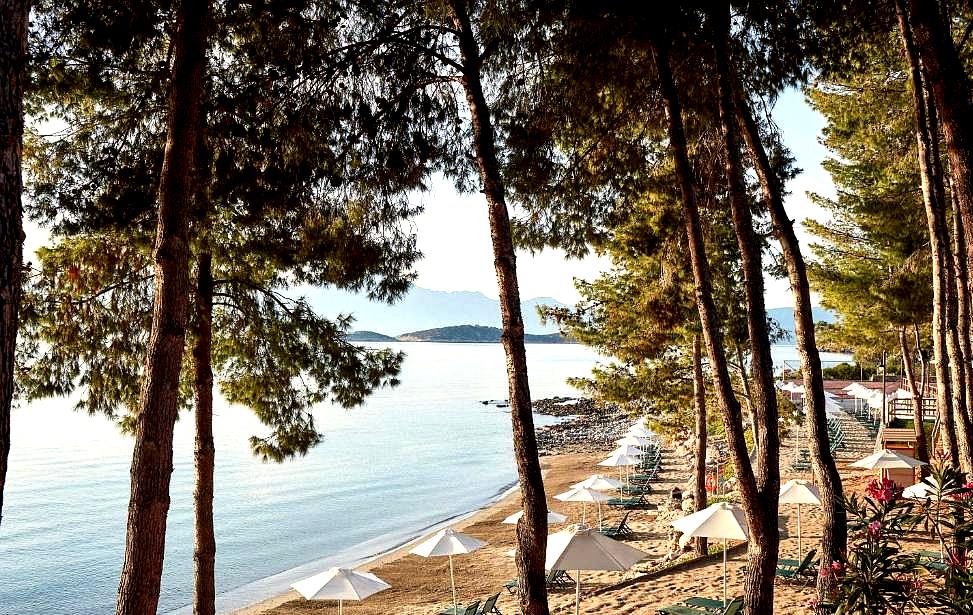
(410, 459)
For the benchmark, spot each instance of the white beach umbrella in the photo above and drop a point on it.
(448, 542)
(631, 440)
(641, 432)
(799, 492)
(628, 449)
(552, 517)
(584, 495)
(887, 460)
(920, 491)
(598, 482)
(618, 460)
(340, 584)
(640, 422)
(578, 548)
(721, 520)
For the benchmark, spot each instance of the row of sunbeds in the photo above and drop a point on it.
(640, 482)
(836, 437)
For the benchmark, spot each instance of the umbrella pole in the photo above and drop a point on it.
(452, 581)
(724, 572)
(339, 607)
(800, 551)
(584, 507)
(599, 515)
(577, 593)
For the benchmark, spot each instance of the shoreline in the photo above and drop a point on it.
(564, 438)
(369, 562)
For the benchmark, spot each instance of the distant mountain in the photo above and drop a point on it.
(369, 336)
(784, 316)
(473, 333)
(423, 309)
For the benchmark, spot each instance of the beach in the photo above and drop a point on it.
(421, 586)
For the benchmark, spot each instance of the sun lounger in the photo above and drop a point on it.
(555, 579)
(490, 606)
(470, 610)
(629, 503)
(933, 560)
(804, 571)
(637, 490)
(684, 608)
(619, 531)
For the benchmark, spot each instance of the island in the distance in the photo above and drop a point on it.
(460, 334)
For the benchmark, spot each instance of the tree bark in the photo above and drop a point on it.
(965, 346)
(938, 233)
(699, 401)
(204, 544)
(532, 527)
(713, 337)
(764, 535)
(13, 72)
(138, 591)
(951, 92)
(922, 451)
(834, 535)
(921, 353)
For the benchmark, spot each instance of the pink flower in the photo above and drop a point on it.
(875, 528)
(837, 566)
(812, 604)
(883, 490)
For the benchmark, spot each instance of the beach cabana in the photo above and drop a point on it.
(721, 520)
(340, 584)
(579, 547)
(448, 542)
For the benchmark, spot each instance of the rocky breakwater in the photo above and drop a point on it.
(588, 426)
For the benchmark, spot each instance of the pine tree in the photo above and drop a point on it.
(13, 41)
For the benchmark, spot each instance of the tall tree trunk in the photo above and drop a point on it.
(713, 336)
(938, 237)
(922, 451)
(963, 323)
(699, 403)
(204, 544)
(921, 353)
(13, 71)
(958, 368)
(748, 399)
(764, 535)
(834, 536)
(138, 590)
(951, 91)
(532, 528)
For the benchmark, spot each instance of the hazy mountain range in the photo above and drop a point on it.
(422, 309)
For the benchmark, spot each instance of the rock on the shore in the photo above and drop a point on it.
(592, 426)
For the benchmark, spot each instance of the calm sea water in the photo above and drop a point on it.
(410, 458)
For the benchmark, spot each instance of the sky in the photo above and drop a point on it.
(454, 232)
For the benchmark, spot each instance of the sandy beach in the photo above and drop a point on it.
(421, 586)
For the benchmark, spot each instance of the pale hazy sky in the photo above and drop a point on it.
(454, 234)
(455, 238)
